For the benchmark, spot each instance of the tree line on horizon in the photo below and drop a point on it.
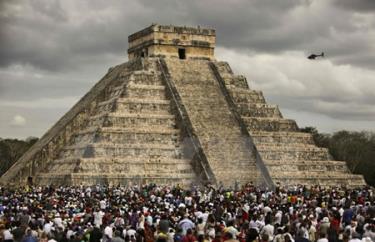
(357, 149)
(11, 150)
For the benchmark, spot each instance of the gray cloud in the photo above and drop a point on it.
(54, 35)
(358, 5)
(54, 51)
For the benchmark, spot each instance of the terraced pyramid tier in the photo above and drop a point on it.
(291, 157)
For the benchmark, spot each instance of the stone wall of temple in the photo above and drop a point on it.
(166, 40)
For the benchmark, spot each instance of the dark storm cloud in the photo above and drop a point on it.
(42, 36)
(47, 35)
(41, 33)
(357, 5)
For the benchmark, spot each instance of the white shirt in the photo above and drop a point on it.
(47, 228)
(102, 204)
(355, 240)
(269, 229)
(188, 201)
(7, 235)
(278, 217)
(69, 233)
(108, 231)
(98, 218)
(58, 222)
(131, 232)
(141, 224)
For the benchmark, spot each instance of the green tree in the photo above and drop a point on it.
(357, 149)
(11, 150)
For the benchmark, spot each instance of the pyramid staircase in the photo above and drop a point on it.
(225, 146)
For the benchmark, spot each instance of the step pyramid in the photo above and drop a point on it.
(174, 115)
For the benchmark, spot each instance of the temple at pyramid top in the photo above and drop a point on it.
(172, 41)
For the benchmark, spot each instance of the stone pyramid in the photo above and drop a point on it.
(174, 115)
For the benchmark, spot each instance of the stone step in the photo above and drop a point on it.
(145, 91)
(304, 165)
(241, 95)
(146, 130)
(305, 162)
(124, 160)
(133, 120)
(193, 91)
(235, 81)
(270, 124)
(115, 91)
(121, 164)
(288, 146)
(309, 175)
(230, 183)
(280, 137)
(283, 145)
(87, 179)
(207, 99)
(149, 100)
(130, 137)
(258, 110)
(297, 154)
(238, 156)
(145, 78)
(196, 68)
(235, 164)
(166, 175)
(224, 69)
(198, 108)
(106, 106)
(120, 150)
(134, 105)
(128, 167)
(192, 82)
(182, 175)
(325, 181)
(241, 175)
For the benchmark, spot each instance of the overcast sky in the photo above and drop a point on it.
(52, 52)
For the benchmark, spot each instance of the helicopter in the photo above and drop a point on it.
(314, 56)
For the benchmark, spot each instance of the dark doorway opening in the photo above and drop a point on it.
(30, 180)
(144, 53)
(181, 54)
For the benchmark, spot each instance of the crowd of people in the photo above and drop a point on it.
(170, 213)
